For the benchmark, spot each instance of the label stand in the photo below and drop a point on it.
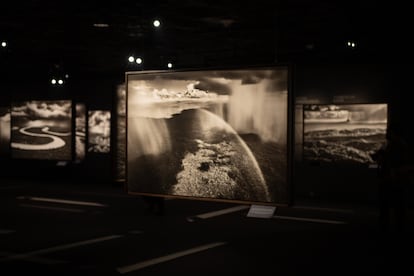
(261, 211)
(61, 163)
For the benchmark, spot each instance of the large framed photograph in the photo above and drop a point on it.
(209, 134)
(41, 130)
(344, 133)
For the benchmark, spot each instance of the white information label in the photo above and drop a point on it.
(261, 211)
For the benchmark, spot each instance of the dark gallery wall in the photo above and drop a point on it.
(344, 84)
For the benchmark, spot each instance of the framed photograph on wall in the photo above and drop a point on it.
(343, 133)
(209, 134)
(41, 129)
(99, 131)
(80, 126)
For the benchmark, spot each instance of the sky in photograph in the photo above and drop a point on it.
(42, 109)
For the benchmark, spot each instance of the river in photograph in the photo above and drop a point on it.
(41, 139)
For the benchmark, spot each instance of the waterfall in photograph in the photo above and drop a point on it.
(148, 136)
(252, 109)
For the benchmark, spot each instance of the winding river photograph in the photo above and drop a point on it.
(41, 130)
(209, 134)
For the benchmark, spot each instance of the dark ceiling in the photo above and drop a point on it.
(49, 37)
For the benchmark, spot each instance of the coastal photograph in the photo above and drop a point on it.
(41, 130)
(348, 133)
(209, 134)
(99, 131)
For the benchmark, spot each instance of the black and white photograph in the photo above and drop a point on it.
(99, 131)
(348, 133)
(4, 131)
(298, 132)
(80, 125)
(41, 130)
(218, 134)
(120, 156)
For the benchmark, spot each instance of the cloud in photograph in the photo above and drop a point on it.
(5, 117)
(100, 122)
(43, 109)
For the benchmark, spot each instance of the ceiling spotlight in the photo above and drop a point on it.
(131, 59)
(60, 81)
(156, 23)
(3, 44)
(138, 60)
(66, 76)
(351, 44)
(53, 81)
(169, 65)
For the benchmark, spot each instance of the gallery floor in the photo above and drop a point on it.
(53, 228)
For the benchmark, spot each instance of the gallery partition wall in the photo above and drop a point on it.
(209, 134)
(342, 112)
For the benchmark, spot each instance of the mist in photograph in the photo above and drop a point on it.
(41, 130)
(344, 133)
(99, 131)
(4, 131)
(209, 134)
(80, 125)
